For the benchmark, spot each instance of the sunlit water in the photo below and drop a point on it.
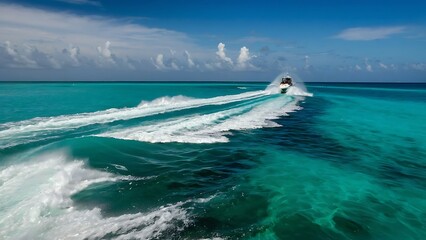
(211, 160)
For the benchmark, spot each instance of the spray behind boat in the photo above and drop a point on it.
(297, 87)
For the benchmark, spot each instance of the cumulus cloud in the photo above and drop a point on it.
(12, 52)
(368, 66)
(191, 63)
(106, 54)
(14, 58)
(106, 57)
(174, 66)
(222, 55)
(105, 51)
(244, 56)
(419, 66)
(384, 66)
(358, 68)
(74, 53)
(42, 59)
(159, 62)
(243, 60)
(52, 30)
(368, 33)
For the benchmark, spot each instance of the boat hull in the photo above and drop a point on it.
(284, 87)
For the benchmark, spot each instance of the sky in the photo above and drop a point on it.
(206, 40)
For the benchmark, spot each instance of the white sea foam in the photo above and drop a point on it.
(162, 101)
(175, 130)
(296, 91)
(119, 167)
(209, 128)
(15, 133)
(298, 88)
(35, 203)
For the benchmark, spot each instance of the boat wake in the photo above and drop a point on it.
(37, 129)
(248, 110)
(209, 128)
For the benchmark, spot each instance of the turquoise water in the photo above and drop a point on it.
(212, 160)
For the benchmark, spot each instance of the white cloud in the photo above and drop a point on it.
(384, 66)
(74, 55)
(222, 55)
(54, 39)
(191, 63)
(244, 56)
(105, 51)
(357, 67)
(367, 33)
(210, 66)
(243, 60)
(159, 62)
(53, 30)
(12, 57)
(12, 52)
(419, 66)
(368, 66)
(106, 57)
(174, 66)
(42, 59)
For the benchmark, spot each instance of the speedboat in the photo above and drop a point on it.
(286, 83)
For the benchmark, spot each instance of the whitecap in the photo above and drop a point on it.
(35, 203)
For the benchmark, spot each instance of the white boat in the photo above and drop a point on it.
(286, 83)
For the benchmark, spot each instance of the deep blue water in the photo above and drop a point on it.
(212, 160)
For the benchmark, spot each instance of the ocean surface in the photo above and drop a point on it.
(212, 161)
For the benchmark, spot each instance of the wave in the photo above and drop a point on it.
(35, 198)
(209, 128)
(15, 133)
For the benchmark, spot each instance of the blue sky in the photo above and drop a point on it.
(78, 40)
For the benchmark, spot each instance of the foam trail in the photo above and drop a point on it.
(174, 130)
(35, 203)
(209, 128)
(15, 133)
